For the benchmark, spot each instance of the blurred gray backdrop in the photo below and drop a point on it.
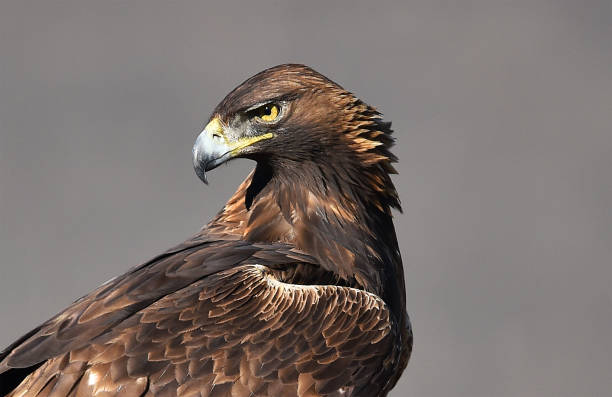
(502, 111)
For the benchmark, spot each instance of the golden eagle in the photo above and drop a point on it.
(295, 288)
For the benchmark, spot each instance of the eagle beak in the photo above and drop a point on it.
(214, 146)
(209, 149)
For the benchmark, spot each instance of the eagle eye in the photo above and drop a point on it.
(266, 113)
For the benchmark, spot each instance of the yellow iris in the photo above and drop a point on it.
(267, 113)
(270, 114)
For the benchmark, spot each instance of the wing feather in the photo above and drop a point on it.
(236, 332)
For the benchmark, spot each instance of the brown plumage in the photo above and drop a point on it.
(295, 288)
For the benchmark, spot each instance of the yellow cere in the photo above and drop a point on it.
(214, 127)
(272, 115)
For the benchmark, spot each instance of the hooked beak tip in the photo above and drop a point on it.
(201, 173)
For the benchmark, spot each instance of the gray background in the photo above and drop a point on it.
(502, 114)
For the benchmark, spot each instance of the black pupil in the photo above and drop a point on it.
(265, 110)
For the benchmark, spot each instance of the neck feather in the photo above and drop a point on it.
(344, 222)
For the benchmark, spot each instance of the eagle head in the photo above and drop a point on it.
(291, 118)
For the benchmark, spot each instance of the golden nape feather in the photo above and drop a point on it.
(296, 288)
